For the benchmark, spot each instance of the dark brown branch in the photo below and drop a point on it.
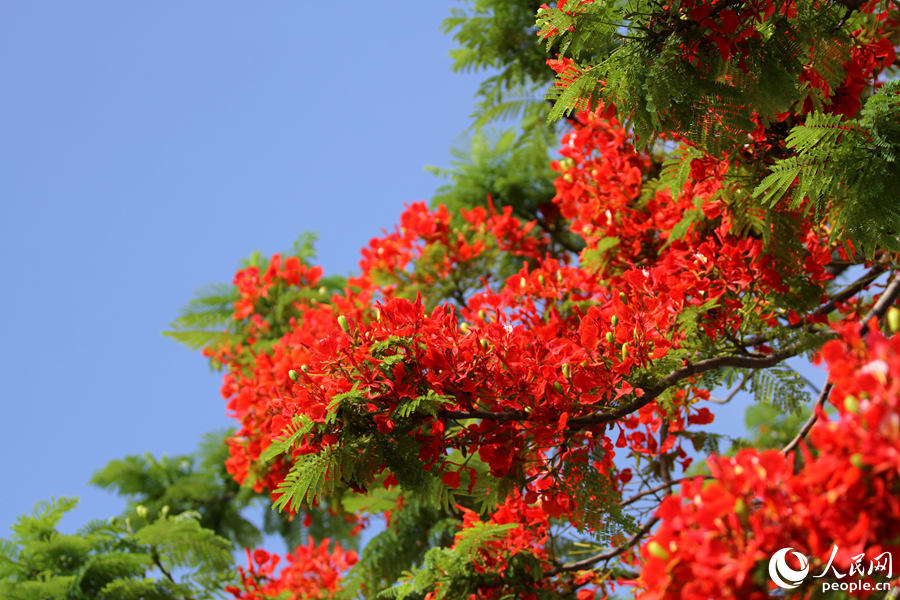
(664, 473)
(514, 415)
(689, 370)
(820, 401)
(650, 394)
(158, 562)
(685, 372)
(592, 560)
(885, 301)
(842, 296)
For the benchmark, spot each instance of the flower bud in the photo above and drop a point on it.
(342, 321)
(857, 461)
(541, 280)
(141, 510)
(624, 351)
(656, 549)
(893, 318)
(623, 297)
(294, 375)
(614, 320)
(566, 370)
(610, 338)
(851, 405)
(558, 387)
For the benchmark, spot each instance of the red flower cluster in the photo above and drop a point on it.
(312, 572)
(519, 350)
(430, 241)
(716, 538)
(252, 287)
(529, 533)
(542, 375)
(872, 52)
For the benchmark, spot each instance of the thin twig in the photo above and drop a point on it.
(652, 491)
(812, 385)
(664, 473)
(733, 392)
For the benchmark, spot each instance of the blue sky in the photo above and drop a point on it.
(147, 148)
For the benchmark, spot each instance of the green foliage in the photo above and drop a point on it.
(780, 386)
(205, 319)
(511, 168)
(180, 542)
(596, 495)
(122, 558)
(499, 35)
(676, 169)
(197, 483)
(770, 427)
(637, 50)
(495, 166)
(849, 169)
(310, 477)
(449, 570)
(208, 319)
(415, 527)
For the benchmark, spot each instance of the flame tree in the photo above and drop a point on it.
(518, 379)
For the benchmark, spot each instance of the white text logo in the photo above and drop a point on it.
(784, 576)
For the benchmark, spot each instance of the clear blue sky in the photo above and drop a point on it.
(147, 147)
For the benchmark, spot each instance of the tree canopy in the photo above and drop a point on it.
(517, 383)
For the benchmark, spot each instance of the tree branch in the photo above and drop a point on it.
(592, 560)
(652, 491)
(885, 301)
(733, 392)
(649, 395)
(842, 296)
(820, 401)
(689, 370)
(685, 372)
